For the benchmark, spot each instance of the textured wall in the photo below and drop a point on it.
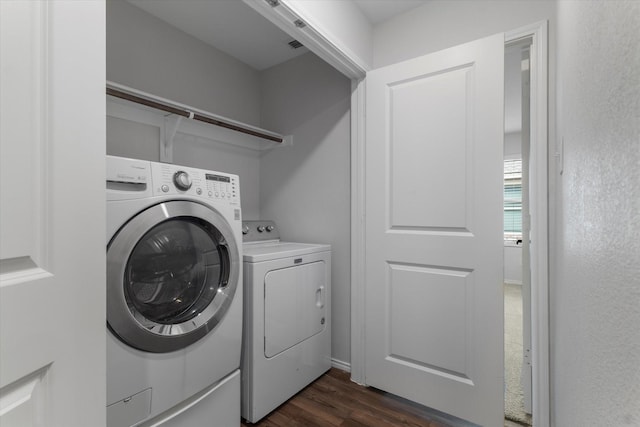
(305, 188)
(596, 295)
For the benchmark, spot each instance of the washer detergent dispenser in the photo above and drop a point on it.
(287, 317)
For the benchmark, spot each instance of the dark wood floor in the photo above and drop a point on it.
(333, 400)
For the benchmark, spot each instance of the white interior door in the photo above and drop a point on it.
(434, 263)
(52, 213)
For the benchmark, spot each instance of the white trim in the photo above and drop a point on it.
(339, 364)
(216, 136)
(311, 36)
(538, 33)
(513, 282)
(358, 237)
(224, 135)
(23, 276)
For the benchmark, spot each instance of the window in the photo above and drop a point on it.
(513, 199)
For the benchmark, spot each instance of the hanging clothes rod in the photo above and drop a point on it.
(189, 114)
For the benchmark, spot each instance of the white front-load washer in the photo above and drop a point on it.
(287, 329)
(174, 295)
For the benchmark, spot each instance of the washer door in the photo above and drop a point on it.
(172, 273)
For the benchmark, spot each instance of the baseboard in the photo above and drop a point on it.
(513, 282)
(339, 364)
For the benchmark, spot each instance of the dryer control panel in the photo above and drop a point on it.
(258, 231)
(173, 179)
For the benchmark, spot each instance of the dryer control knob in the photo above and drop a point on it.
(270, 228)
(261, 228)
(182, 180)
(245, 229)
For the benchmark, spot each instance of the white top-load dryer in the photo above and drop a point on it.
(174, 295)
(287, 317)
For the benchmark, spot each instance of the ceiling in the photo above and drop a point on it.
(238, 30)
(378, 11)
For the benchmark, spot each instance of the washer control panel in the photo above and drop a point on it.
(173, 179)
(182, 180)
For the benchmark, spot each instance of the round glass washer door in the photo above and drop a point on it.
(172, 273)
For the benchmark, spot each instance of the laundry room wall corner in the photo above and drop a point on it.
(305, 188)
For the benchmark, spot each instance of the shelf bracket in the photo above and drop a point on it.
(169, 129)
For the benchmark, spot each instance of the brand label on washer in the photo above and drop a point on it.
(236, 214)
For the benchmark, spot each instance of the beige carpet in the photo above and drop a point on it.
(513, 397)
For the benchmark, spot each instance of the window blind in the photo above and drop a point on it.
(513, 198)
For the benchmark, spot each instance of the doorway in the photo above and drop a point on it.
(530, 45)
(537, 33)
(517, 276)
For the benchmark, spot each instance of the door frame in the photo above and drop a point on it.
(538, 34)
(328, 48)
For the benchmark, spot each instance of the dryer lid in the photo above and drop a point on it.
(258, 252)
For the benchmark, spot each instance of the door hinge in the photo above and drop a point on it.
(527, 356)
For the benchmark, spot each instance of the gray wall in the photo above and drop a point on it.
(145, 53)
(444, 23)
(305, 188)
(512, 264)
(596, 291)
(512, 145)
(127, 138)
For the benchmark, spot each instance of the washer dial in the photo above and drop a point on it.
(182, 180)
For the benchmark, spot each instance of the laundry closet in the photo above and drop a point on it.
(303, 183)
